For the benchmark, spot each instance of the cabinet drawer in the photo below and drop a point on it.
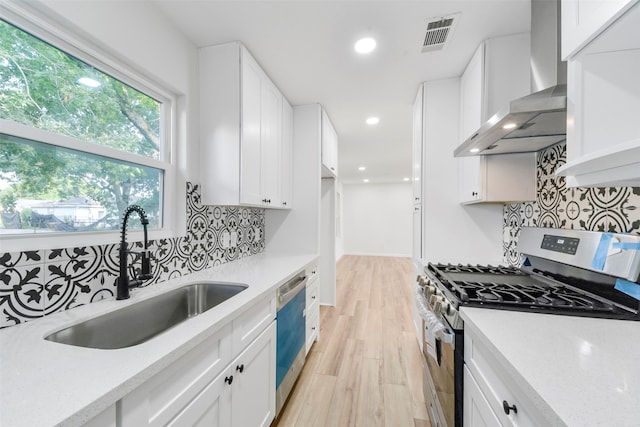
(157, 401)
(312, 273)
(211, 408)
(312, 292)
(252, 322)
(312, 325)
(497, 387)
(477, 410)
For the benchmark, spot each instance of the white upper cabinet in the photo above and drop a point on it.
(603, 101)
(250, 132)
(583, 20)
(271, 142)
(502, 178)
(329, 148)
(286, 156)
(241, 130)
(498, 72)
(472, 95)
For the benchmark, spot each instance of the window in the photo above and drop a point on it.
(77, 145)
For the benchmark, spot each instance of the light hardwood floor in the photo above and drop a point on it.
(366, 369)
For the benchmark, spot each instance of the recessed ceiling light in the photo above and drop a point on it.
(474, 150)
(405, 179)
(361, 168)
(365, 45)
(373, 121)
(365, 180)
(86, 81)
(509, 126)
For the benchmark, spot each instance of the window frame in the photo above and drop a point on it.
(85, 48)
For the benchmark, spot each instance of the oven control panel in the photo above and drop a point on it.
(615, 254)
(563, 244)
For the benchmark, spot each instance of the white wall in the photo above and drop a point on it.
(377, 219)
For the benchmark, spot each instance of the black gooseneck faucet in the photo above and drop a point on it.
(124, 283)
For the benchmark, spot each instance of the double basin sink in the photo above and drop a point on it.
(144, 320)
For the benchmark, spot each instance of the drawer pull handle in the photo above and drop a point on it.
(228, 379)
(507, 408)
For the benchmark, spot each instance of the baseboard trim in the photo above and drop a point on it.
(385, 255)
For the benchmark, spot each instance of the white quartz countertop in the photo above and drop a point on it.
(43, 383)
(578, 371)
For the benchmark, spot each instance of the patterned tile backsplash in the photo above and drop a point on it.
(40, 282)
(610, 209)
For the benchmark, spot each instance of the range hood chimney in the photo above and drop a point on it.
(538, 120)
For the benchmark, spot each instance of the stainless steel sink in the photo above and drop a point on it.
(142, 321)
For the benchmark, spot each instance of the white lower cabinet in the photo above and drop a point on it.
(253, 390)
(491, 396)
(312, 309)
(208, 386)
(476, 410)
(239, 395)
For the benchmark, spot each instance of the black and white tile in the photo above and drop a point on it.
(610, 209)
(37, 283)
(21, 287)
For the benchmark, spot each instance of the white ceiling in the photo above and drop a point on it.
(306, 47)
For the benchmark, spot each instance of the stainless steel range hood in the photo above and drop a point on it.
(538, 120)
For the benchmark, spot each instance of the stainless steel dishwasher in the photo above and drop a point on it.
(291, 329)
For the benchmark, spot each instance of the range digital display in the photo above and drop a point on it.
(562, 244)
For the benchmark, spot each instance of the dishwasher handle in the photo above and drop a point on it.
(290, 289)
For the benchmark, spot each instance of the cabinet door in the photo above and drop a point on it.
(417, 231)
(211, 408)
(253, 400)
(417, 145)
(472, 95)
(250, 149)
(329, 147)
(583, 20)
(286, 156)
(476, 410)
(603, 100)
(312, 326)
(270, 143)
(470, 178)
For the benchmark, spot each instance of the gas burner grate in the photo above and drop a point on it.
(483, 269)
(544, 297)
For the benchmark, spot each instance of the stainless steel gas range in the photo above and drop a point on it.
(564, 272)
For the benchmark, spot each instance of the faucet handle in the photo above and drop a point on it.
(145, 273)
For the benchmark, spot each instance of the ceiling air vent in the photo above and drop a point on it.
(439, 31)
